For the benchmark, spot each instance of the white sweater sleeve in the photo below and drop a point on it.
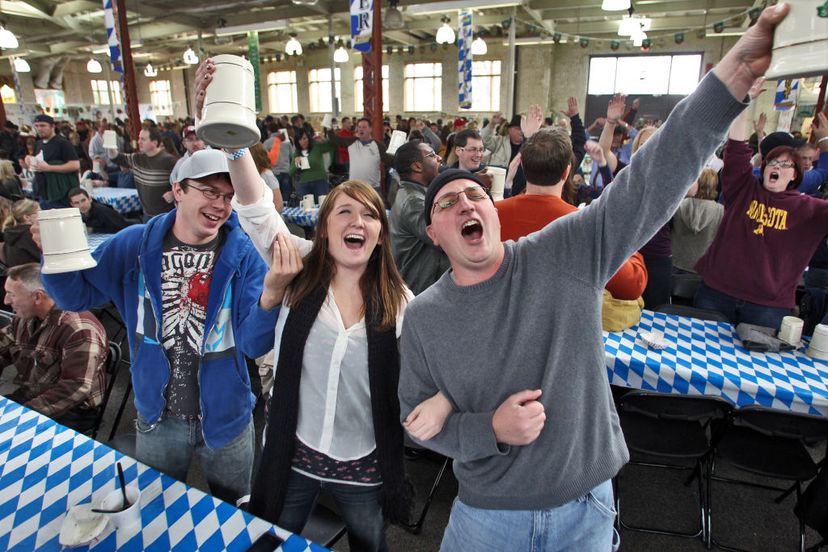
(262, 223)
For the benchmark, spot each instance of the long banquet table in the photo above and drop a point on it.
(46, 468)
(703, 357)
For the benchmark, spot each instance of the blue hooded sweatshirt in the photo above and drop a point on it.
(129, 275)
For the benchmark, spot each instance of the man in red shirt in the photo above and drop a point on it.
(546, 161)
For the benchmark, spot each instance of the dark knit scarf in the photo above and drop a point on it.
(269, 485)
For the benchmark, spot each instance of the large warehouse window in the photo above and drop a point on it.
(644, 75)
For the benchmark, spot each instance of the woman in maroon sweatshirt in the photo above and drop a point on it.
(767, 236)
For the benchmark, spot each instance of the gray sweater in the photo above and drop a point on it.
(694, 227)
(537, 324)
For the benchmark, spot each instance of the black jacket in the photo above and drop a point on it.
(103, 219)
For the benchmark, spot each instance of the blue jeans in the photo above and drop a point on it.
(317, 188)
(739, 310)
(285, 185)
(168, 447)
(586, 523)
(360, 507)
(816, 277)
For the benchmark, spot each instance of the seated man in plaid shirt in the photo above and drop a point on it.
(59, 355)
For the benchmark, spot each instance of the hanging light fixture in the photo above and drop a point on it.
(293, 46)
(7, 39)
(445, 34)
(150, 71)
(615, 5)
(479, 47)
(93, 66)
(393, 17)
(638, 37)
(21, 65)
(632, 24)
(341, 54)
(190, 57)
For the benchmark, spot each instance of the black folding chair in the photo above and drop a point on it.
(683, 288)
(414, 452)
(772, 444)
(693, 312)
(113, 365)
(671, 432)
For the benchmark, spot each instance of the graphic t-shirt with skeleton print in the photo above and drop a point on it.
(186, 275)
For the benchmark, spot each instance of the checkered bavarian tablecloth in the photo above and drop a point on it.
(95, 240)
(295, 215)
(706, 358)
(123, 200)
(46, 468)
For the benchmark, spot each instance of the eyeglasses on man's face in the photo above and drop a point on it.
(212, 194)
(447, 201)
(781, 164)
(472, 150)
(430, 155)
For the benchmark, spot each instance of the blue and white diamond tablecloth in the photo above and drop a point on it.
(46, 468)
(707, 358)
(295, 215)
(95, 240)
(123, 200)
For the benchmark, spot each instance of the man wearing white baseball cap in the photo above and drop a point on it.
(188, 284)
(192, 143)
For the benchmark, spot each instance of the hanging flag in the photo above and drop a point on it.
(362, 17)
(464, 60)
(253, 56)
(786, 92)
(112, 38)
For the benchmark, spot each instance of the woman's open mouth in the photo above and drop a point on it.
(354, 241)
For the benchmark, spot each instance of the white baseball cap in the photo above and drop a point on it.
(203, 163)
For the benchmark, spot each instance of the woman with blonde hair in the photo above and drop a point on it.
(18, 245)
(696, 222)
(9, 182)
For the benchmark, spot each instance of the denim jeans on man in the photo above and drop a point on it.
(586, 523)
(359, 505)
(169, 445)
(738, 310)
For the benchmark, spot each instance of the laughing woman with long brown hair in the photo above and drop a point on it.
(334, 417)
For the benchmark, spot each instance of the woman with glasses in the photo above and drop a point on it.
(768, 234)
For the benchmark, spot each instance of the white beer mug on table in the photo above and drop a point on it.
(63, 239)
(800, 41)
(229, 114)
(819, 343)
(791, 330)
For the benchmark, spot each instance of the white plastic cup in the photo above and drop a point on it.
(791, 330)
(110, 139)
(498, 175)
(800, 42)
(818, 347)
(63, 240)
(123, 519)
(304, 164)
(228, 119)
(322, 199)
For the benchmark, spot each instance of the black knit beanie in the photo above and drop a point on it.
(441, 180)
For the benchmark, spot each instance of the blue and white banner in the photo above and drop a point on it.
(786, 92)
(362, 17)
(464, 60)
(112, 37)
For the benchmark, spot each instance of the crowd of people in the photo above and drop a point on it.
(381, 325)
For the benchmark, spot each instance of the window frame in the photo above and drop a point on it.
(409, 97)
(667, 91)
(326, 86)
(274, 87)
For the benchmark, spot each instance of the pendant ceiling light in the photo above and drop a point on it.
(479, 47)
(190, 57)
(293, 46)
(21, 65)
(393, 17)
(341, 54)
(445, 34)
(93, 66)
(615, 5)
(7, 39)
(150, 71)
